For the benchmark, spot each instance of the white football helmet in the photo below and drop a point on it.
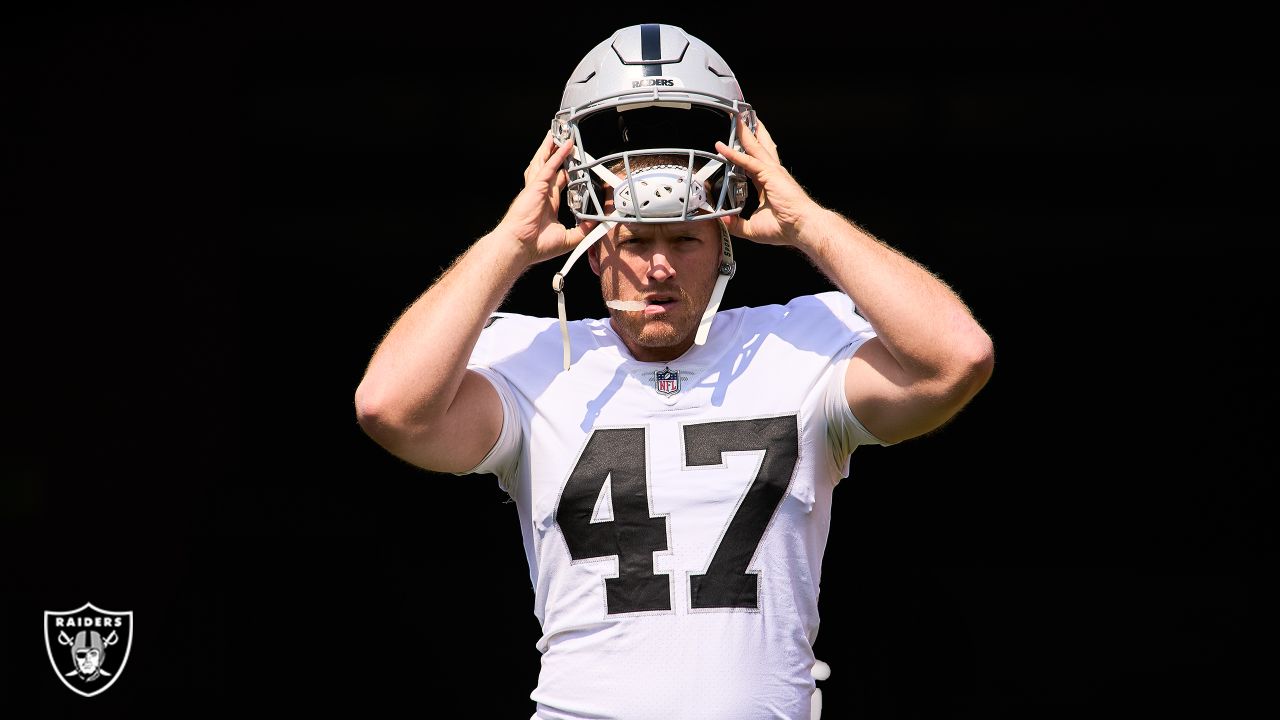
(652, 89)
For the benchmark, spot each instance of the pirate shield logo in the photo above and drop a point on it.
(88, 646)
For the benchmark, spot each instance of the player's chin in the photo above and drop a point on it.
(663, 333)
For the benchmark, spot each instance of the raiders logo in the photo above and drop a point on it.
(88, 647)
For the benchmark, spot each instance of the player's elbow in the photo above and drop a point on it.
(388, 423)
(975, 360)
(371, 412)
(378, 424)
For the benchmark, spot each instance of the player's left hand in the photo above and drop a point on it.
(783, 205)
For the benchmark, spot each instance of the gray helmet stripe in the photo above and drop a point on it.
(651, 47)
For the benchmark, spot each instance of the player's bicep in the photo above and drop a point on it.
(889, 402)
(465, 435)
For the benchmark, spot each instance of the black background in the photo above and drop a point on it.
(214, 216)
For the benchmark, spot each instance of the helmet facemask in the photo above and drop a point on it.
(609, 144)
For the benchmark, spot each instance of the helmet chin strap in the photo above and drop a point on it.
(648, 194)
(557, 282)
(727, 268)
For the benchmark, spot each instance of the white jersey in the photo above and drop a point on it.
(675, 513)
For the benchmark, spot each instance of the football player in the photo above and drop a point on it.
(672, 464)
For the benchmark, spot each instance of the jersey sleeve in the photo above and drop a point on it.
(503, 457)
(844, 431)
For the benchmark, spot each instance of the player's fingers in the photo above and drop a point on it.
(539, 157)
(573, 236)
(762, 133)
(536, 161)
(759, 144)
(541, 153)
(552, 166)
(741, 159)
(738, 227)
(749, 141)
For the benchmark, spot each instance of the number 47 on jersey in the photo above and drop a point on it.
(633, 535)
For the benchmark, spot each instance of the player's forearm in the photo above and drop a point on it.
(416, 371)
(923, 324)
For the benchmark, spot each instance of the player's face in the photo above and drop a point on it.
(679, 260)
(87, 661)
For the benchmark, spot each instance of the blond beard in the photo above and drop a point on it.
(664, 332)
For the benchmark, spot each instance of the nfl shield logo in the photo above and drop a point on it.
(88, 646)
(667, 381)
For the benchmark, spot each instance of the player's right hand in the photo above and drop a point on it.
(533, 218)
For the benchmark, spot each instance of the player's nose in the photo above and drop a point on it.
(660, 268)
